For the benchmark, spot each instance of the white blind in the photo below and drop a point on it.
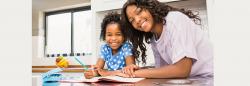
(59, 33)
(82, 32)
(69, 34)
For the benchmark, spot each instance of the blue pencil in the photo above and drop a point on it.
(84, 66)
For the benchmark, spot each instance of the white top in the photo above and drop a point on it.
(181, 37)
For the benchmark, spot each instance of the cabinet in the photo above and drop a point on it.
(104, 5)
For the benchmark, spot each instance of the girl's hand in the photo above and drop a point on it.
(103, 72)
(90, 73)
(129, 70)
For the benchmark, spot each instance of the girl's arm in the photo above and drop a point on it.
(100, 63)
(130, 66)
(181, 69)
(130, 60)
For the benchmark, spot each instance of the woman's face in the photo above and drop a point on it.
(114, 37)
(141, 19)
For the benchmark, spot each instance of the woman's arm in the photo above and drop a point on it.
(181, 69)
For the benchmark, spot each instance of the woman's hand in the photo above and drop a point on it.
(122, 75)
(129, 70)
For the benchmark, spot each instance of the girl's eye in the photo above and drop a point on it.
(108, 35)
(119, 34)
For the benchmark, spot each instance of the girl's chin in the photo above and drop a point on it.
(114, 47)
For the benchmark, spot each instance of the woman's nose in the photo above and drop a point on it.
(137, 20)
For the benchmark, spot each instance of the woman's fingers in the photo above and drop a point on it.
(122, 75)
(129, 70)
(136, 67)
(132, 72)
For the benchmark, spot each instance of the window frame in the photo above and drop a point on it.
(71, 11)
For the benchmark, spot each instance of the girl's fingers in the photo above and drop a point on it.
(88, 74)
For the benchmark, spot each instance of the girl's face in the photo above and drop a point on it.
(114, 37)
(141, 19)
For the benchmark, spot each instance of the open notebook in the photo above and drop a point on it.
(106, 78)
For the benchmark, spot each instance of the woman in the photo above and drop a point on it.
(181, 48)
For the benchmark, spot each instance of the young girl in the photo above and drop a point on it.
(180, 47)
(116, 52)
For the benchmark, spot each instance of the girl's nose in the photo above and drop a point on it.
(113, 38)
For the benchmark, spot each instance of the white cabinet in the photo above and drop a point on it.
(103, 5)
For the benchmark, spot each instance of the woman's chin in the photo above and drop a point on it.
(146, 30)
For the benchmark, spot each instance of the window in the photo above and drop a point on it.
(68, 32)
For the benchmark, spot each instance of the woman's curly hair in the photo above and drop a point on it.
(158, 11)
(111, 18)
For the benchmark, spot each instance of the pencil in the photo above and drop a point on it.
(84, 66)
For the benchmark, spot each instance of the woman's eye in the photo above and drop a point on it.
(138, 11)
(131, 20)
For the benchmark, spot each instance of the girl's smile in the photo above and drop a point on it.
(114, 37)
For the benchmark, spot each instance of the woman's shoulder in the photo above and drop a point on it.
(175, 15)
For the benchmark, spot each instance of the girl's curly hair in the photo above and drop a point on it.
(111, 18)
(158, 11)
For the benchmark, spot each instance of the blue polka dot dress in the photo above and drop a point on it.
(116, 61)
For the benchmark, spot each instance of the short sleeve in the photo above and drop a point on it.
(183, 43)
(127, 49)
(157, 56)
(103, 52)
